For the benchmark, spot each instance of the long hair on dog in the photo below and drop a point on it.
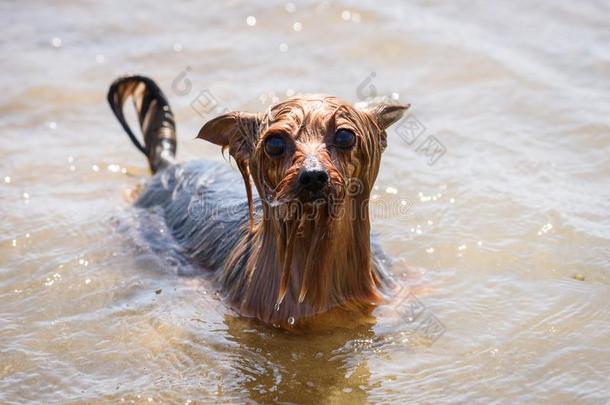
(305, 257)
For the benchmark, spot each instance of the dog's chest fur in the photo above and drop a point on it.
(204, 205)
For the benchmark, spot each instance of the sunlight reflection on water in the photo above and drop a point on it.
(503, 239)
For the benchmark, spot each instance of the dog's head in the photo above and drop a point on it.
(306, 149)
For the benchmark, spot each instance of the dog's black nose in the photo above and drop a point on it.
(313, 179)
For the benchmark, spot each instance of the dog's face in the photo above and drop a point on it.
(308, 148)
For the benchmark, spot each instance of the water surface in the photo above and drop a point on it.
(505, 239)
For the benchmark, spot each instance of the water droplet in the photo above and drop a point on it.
(462, 247)
(95, 168)
(290, 92)
(346, 15)
(14, 242)
(251, 20)
(391, 190)
(283, 47)
(480, 243)
(177, 47)
(291, 321)
(297, 26)
(88, 281)
(72, 168)
(56, 42)
(277, 307)
(430, 250)
(53, 125)
(395, 96)
(545, 229)
(452, 200)
(7, 179)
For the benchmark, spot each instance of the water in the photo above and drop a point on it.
(505, 239)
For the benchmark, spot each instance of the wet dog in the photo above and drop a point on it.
(301, 245)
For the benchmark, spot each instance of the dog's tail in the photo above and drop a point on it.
(155, 117)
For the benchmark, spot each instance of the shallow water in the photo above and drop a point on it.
(504, 238)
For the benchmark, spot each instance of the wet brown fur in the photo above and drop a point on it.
(293, 264)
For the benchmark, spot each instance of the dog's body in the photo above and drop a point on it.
(205, 206)
(274, 260)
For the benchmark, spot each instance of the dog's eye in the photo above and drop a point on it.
(275, 146)
(344, 139)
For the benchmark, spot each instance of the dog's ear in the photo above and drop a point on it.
(387, 114)
(236, 131)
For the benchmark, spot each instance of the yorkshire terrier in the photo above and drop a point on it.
(302, 247)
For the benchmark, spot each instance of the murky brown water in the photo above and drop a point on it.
(508, 232)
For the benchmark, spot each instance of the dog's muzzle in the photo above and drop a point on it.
(312, 181)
